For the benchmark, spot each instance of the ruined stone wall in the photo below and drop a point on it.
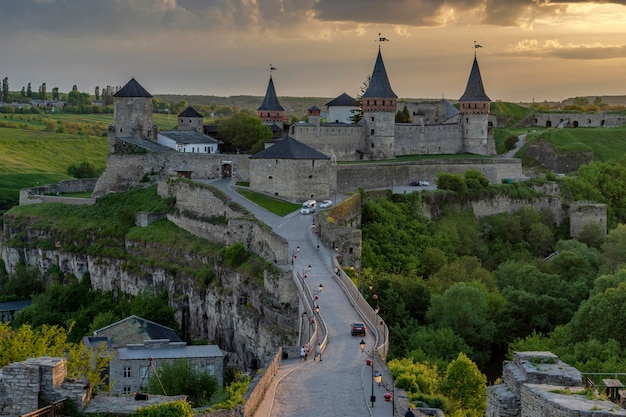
(48, 193)
(582, 213)
(503, 204)
(560, 162)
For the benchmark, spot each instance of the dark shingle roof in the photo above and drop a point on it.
(343, 100)
(450, 110)
(379, 83)
(313, 108)
(270, 102)
(134, 329)
(189, 112)
(133, 89)
(289, 148)
(188, 137)
(474, 90)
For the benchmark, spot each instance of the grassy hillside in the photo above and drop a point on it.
(606, 144)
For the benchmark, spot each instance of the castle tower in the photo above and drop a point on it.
(474, 108)
(132, 114)
(315, 115)
(190, 119)
(379, 111)
(270, 111)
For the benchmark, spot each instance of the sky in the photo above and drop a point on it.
(532, 50)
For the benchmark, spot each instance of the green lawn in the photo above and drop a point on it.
(273, 205)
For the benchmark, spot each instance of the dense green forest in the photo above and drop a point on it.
(485, 287)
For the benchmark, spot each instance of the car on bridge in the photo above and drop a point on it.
(358, 329)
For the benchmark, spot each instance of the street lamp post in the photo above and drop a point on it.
(305, 321)
(371, 360)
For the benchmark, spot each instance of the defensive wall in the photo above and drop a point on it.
(577, 119)
(539, 384)
(336, 140)
(52, 193)
(206, 212)
(582, 213)
(418, 139)
(351, 177)
(125, 172)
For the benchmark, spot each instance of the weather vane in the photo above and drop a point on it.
(381, 39)
(272, 68)
(476, 46)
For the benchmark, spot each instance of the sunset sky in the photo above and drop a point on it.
(532, 49)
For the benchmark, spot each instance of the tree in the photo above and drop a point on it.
(357, 114)
(5, 89)
(466, 386)
(42, 92)
(29, 91)
(403, 116)
(475, 179)
(23, 93)
(243, 131)
(97, 93)
(452, 182)
(55, 93)
(180, 377)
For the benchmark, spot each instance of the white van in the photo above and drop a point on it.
(308, 207)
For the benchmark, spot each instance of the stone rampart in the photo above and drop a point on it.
(340, 141)
(51, 193)
(503, 204)
(582, 213)
(125, 172)
(417, 139)
(577, 119)
(538, 384)
(22, 383)
(350, 177)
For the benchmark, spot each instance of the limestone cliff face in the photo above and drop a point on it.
(247, 319)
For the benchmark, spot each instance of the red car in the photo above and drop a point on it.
(358, 329)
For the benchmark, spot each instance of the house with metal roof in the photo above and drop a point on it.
(141, 346)
(189, 135)
(342, 109)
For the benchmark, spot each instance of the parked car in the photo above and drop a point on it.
(326, 204)
(419, 184)
(358, 329)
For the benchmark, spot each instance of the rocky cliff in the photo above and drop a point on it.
(247, 317)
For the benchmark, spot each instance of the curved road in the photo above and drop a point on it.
(341, 384)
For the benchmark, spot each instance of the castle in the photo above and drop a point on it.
(302, 161)
(435, 128)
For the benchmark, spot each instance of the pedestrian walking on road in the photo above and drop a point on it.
(302, 353)
(318, 352)
(306, 352)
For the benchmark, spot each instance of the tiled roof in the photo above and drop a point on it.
(148, 145)
(474, 91)
(379, 83)
(343, 100)
(189, 112)
(188, 137)
(289, 148)
(270, 102)
(313, 108)
(451, 111)
(134, 329)
(133, 89)
(195, 351)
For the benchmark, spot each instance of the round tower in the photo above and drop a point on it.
(270, 111)
(132, 114)
(379, 112)
(474, 108)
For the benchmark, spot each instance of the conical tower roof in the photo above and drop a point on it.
(475, 90)
(133, 89)
(270, 102)
(379, 83)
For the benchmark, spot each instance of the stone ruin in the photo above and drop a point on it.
(538, 384)
(22, 384)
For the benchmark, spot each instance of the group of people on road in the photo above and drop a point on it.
(304, 352)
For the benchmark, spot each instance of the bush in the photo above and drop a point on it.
(181, 378)
(235, 255)
(173, 409)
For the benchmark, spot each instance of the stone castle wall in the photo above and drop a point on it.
(338, 141)
(350, 177)
(415, 139)
(125, 172)
(582, 213)
(577, 119)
